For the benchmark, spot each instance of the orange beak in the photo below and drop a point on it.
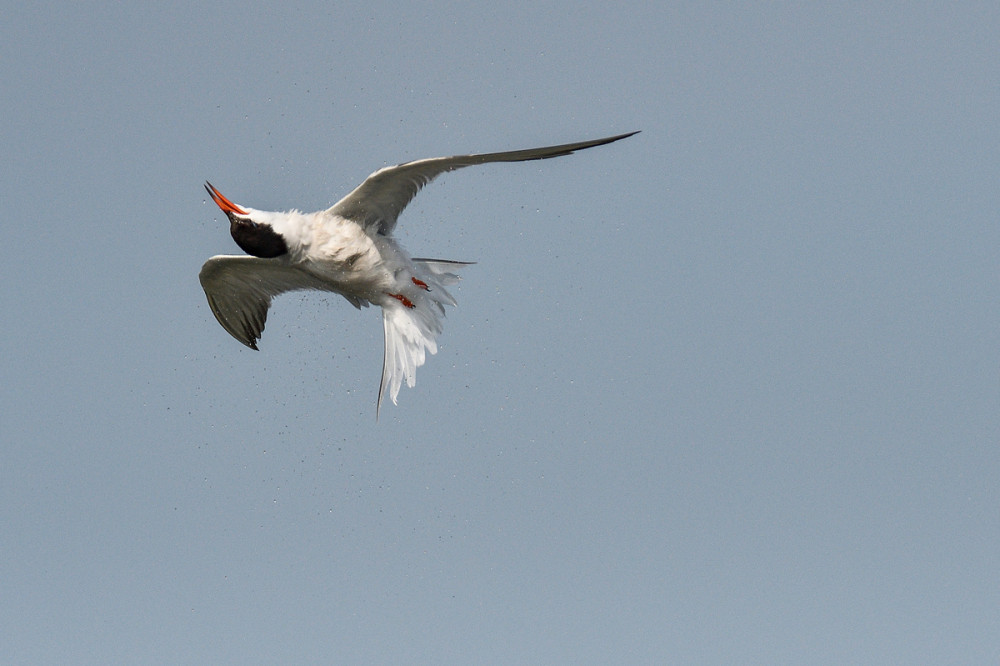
(222, 202)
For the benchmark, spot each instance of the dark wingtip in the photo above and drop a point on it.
(619, 137)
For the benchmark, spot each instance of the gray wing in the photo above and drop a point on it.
(377, 202)
(240, 289)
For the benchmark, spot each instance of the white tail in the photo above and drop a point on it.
(411, 332)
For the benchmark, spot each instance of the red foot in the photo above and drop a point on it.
(421, 284)
(403, 299)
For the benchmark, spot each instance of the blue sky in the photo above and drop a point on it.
(724, 391)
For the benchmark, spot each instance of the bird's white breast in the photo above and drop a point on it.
(341, 241)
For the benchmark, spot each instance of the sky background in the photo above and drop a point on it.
(726, 391)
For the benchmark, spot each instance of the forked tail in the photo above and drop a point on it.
(412, 324)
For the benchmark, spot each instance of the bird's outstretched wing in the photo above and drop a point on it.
(377, 202)
(240, 289)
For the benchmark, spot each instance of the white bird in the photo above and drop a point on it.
(348, 249)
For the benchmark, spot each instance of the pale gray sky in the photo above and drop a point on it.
(727, 391)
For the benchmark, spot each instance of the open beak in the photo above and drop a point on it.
(222, 202)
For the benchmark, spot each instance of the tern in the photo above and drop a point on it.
(349, 249)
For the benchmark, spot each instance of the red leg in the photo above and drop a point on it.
(421, 284)
(403, 299)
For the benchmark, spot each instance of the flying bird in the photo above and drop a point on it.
(349, 250)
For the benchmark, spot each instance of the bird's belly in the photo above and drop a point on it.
(354, 263)
(352, 276)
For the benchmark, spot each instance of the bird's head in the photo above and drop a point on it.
(256, 238)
